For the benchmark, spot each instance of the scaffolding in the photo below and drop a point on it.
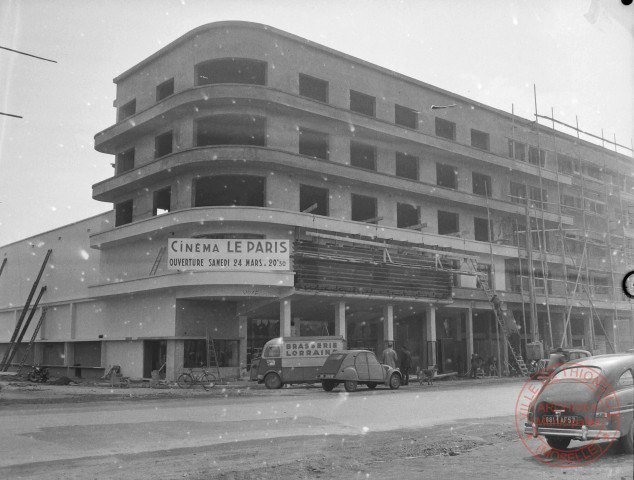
(600, 217)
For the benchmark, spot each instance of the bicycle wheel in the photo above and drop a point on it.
(208, 380)
(185, 380)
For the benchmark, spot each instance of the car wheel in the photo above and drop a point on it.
(395, 381)
(273, 381)
(371, 385)
(327, 385)
(350, 385)
(559, 443)
(628, 440)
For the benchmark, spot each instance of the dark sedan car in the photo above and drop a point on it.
(592, 398)
(354, 367)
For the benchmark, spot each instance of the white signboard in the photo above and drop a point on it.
(228, 254)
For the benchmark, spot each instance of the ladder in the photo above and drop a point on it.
(157, 261)
(33, 337)
(483, 283)
(212, 357)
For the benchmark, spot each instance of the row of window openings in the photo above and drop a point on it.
(235, 190)
(248, 71)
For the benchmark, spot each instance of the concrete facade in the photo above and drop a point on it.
(109, 284)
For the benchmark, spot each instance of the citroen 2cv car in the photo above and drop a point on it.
(588, 399)
(354, 367)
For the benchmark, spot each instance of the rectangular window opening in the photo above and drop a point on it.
(314, 88)
(163, 144)
(362, 103)
(229, 191)
(479, 139)
(536, 156)
(517, 150)
(481, 229)
(481, 184)
(445, 128)
(313, 144)
(364, 209)
(405, 117)
(313, 200)
(406, 166)
(127, 110)
(231, 70)
(231, 129)
(125, 161)
(448, 223)
(362, 155)
(165, 89)
(407, 216)
(446, 176)
(123, 213)
(162, 201)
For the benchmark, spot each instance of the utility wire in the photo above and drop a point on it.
(28, 54)
(10, 115)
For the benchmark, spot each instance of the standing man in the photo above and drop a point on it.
(389, 356)
(406, 364)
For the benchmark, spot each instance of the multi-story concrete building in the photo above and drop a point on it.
(363, 201)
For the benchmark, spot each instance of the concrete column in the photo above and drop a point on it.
(430, 330)
(242, 335)
(388, 323)
(285, 318)
(340, 319)
(469, 336)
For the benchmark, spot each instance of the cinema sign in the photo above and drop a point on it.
(228, 254)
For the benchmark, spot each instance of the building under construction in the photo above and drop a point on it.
(266, 185)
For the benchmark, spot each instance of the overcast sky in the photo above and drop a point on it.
(579, 54)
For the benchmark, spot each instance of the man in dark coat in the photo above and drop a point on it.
(406, 364)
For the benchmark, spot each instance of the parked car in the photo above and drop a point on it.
(354, 367)
(546, 367)
(580, 402)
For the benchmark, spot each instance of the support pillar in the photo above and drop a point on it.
(388, 323)
(469, 336)
(340, 319)
(430, 330)
(285, 318)
(242, 335)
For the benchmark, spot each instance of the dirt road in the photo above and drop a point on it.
(462, 448)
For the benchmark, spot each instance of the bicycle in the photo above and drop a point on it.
(190, 379)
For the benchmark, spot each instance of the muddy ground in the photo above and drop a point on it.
(486, 448)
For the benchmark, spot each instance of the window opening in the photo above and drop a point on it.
(313, 200)
(445, 128)
(362, 103)
(165, 89)
(229, 190)
(446, 176)
(127, 110)
(481, 229)
(481, 184)
(536, 156)
(231, 70)
(479, 139)
(231, 129)
(313, 144)
(314, 88)
(162, 201)
(405, 117)
(407, 216)
(518, 193)
(406, 166)
(447, 223)
(125, 161)
(364, 209)
(362, 155)
(123, 213)
(163, 145)
(517, 150)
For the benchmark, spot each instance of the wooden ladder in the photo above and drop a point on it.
(483, 282)
(212, 357)
(157, 261)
